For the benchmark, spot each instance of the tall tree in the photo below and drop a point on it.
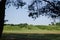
(3, 3)
(2, 14)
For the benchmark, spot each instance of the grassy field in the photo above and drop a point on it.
(32, 29)
(31, 32)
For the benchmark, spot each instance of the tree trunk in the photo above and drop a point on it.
(2, 15)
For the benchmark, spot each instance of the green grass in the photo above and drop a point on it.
(31, 32)
(16, 36)
(32, 27)
(52, 27)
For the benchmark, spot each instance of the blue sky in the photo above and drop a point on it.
(16, 16)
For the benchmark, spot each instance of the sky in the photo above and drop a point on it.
(17, 16)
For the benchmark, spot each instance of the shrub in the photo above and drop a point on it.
(22, 25)
(58, 24)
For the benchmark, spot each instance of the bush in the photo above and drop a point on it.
(22, 25)
(58, 24)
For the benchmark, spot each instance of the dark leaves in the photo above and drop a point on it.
(52, 9)
(16, 3)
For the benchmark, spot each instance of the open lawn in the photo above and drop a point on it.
(32, 29)
(31, 32)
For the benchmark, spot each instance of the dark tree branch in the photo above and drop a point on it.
(53, 5)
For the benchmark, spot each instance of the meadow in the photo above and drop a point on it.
(31, 32)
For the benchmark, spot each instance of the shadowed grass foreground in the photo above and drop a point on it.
(22, 36)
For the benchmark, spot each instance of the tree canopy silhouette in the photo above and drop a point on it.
(50, 8)
(16, 3)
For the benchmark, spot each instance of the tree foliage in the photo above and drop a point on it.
(50, 8)
(16, 3)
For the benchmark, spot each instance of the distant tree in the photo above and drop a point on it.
(22, 25)
(58, 23)
(52, 23)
